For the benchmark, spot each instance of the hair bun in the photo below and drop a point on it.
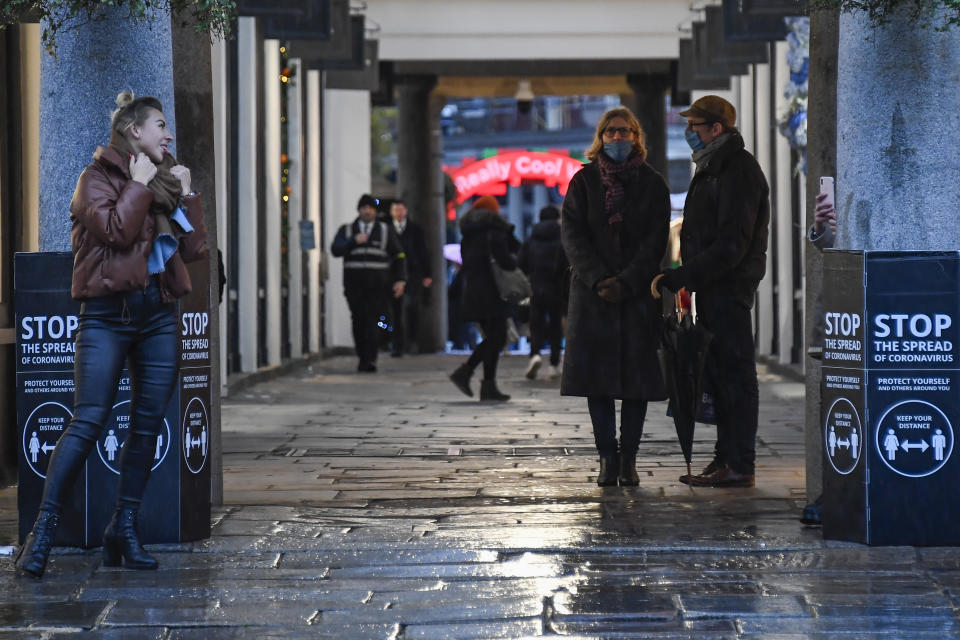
(124, 98)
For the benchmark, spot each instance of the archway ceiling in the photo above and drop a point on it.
(506, 86)
(492, 78)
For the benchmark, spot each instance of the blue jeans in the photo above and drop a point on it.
(603, 414)
(135, 327)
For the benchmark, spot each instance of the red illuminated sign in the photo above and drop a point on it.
(491, 176)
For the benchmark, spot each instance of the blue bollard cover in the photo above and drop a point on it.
(177, 501)
(889, 397)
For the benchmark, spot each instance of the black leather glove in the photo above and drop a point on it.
(673, 279)
(611, 290)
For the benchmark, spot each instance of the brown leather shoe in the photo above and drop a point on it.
(723, 477)
(714, 465)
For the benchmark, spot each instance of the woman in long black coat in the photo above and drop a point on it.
(486, 235)
(615, 222)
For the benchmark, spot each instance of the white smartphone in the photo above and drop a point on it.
(826, 187)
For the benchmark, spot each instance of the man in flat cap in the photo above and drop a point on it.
(374, 266)
(723, 246)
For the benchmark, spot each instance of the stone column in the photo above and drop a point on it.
(247, 203)
(744, 99)
(194, 105)
(295, 255)
(433, 332)
(650, 94)
(782, 186)
(896, 154)
(312, 197)
(513, 212)
(345, 166)
(221, 125)
(821, 161)
(761, 134)
(272, 187)
(418, 173)
(78, 91)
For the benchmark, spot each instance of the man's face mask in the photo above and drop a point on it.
(693, 139)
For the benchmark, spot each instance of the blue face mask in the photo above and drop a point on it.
(618, 151)
(694, 140)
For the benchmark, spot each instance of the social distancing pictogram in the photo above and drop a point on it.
(44, 426)
(195, 435)
(114, 434)
(843, 436)
(914, 438)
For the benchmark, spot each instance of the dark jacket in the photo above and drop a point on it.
(485, 234)
(723, 241)
(543, 260)
(612, 347)
(113, 233)
(415, 249)
(376, 264)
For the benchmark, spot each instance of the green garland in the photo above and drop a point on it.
(214, 17)
(882, 12)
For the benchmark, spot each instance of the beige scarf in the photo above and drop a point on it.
(165, 186)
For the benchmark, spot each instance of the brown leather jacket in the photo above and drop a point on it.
(113, 233)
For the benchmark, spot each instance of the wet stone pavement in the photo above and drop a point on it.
(389, 506)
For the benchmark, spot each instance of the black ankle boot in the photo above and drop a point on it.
(489, 391)
(65, 465)
(628, 470)
(609, 468)
(121, 544)
(461, 378)
(32, 558)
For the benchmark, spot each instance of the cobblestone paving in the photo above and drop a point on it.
(389, 506)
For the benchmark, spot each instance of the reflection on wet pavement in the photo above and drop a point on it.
(387, 508)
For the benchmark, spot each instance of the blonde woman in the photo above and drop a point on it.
(615, 221)
(136, 221)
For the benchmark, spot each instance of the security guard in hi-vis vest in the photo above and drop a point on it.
(374, 267)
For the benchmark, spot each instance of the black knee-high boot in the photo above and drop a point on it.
(121, 544)
(65, 465)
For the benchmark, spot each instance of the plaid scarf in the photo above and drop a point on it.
(615, 176)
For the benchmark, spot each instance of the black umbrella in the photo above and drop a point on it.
(683, 352)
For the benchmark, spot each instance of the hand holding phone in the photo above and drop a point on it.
(825, 213)
(826, 188)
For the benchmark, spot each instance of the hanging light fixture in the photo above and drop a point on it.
(524, 96)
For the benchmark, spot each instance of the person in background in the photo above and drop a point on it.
(543, 260)
(373, 268)
(821, 234)
(486, 236)
(723, 244)
(406, 308)
(135, 223)
(614, 227)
